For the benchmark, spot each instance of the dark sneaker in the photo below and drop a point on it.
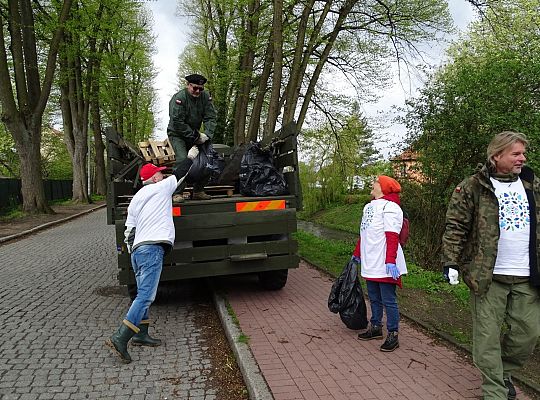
(201, 196)
(391, 343)
(511, 389)
(373, 332)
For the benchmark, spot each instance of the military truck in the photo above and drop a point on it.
(226, 235)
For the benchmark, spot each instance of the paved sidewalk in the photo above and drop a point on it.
(305, 352)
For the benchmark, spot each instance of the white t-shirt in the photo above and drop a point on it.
(379, 216)
(514, 225)
(150, 213)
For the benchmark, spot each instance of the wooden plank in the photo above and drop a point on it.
(146, 151)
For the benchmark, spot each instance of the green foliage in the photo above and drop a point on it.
(489, 85)
(127, 96)
(56, 161)
(340, 160)
(9, 160)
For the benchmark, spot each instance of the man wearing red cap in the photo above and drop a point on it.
(188, 110)
(149, 235)
(381, 256)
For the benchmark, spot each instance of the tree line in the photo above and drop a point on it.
(82, 64)
(78, 64)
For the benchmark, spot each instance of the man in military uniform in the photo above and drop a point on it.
(492, 238)
(188, 110)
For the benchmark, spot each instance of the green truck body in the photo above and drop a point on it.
(227, 235)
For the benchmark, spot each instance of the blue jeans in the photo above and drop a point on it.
(147, 262)
(383, 294)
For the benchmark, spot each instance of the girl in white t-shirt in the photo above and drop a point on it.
(381, 258)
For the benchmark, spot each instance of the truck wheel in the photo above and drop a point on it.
(273, 280)
(132, 291)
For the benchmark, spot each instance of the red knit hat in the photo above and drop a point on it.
(148, 171)
(388, 185)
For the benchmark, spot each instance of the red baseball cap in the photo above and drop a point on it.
(148, 171)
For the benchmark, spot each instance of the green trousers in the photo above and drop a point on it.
(514, 307)
(180, 154)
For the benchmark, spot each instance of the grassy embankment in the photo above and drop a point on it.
(425, 297)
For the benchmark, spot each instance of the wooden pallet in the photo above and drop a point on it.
(158, 152)
(214, 191)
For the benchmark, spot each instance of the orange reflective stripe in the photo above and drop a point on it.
(260, 205)
(176, 212)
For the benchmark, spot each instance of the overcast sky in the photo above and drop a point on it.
(171, 35)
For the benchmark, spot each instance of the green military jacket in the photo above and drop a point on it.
(187, 114)
(471, 236)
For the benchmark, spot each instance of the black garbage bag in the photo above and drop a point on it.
(207, 165)
(258, 175)
(347, 298)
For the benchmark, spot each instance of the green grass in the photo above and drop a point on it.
(11, 213)
(333, 255)
(243, 339)
(345, 217)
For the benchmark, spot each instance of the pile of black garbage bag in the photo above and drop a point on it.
(347, 298)
(251, 169)
(258, 175)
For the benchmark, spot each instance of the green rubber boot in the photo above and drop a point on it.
(119, 340)
(143, 338)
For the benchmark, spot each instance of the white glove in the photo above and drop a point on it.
(129, 237)
(193, 152)
(202, 138)
(453, 276)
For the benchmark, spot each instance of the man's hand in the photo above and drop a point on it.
(450, 275)
(202, 138)
(392, 269)
(193, 152)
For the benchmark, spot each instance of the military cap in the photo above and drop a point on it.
(196, 79)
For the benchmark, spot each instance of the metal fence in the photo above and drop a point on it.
(10, 191)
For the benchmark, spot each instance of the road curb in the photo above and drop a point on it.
(256, 384)
(48, 225)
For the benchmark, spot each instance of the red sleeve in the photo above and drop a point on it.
(392, 240)
(356, 251)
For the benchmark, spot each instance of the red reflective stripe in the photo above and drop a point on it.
(260, 205)
(176, 212)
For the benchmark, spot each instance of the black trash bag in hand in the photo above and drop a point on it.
(258, 175)
(208, 164)
(347, 298)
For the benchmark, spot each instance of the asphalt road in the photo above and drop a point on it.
(59, 301)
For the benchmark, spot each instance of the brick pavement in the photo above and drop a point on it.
(305, 352)
(59, 300)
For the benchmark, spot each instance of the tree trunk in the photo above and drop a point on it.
(100, 185)
(256, 112)
(246, 68)
(277, 38)
(28, 144)
(75, 117)
(22, 108)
